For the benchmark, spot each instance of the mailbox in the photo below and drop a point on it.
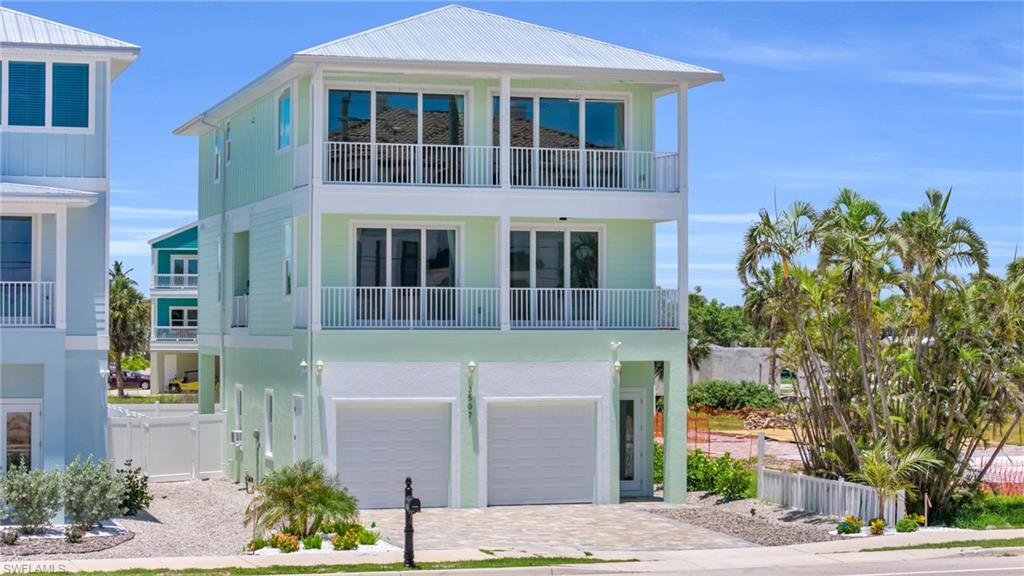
(412, 505)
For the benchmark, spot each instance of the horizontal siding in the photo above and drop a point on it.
(209, 308)
(270, 313)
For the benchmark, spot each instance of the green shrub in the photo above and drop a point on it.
(699, 475)
(723, 476)
(136, 494)
(9, 537)
(73, 534)
(286, 543)
(313, 542)
(659, 463)
(850, 525)
(347, 541)
(877, 526)
(907, 524)
(300, 499)
(368, 537)
(32, 496)
(729, 395)
(981, 511)
(92, 492)
(257, 543)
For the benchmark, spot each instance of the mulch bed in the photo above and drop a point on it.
(60, 545)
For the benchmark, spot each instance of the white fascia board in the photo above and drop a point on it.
(177, 230)
(484, 70)
(493, 202)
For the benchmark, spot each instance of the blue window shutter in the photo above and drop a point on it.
(70, 95)
(26, 97)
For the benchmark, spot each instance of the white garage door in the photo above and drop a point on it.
(540, 452)
(380, 444)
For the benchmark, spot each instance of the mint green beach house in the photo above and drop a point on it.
(428, 250)
(55, 98)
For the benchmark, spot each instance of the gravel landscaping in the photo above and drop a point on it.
(753, 520)
(53, 541)
(193, 518)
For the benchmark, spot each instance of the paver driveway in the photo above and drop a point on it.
(550, 529)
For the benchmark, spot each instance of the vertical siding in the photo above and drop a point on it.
(257, 170)
(60, 155)
(270, 312)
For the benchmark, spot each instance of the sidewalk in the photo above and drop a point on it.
(822, 554)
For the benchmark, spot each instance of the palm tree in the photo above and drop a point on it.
(888, 472)
(762, 297)
(300, 499)
(129, 319)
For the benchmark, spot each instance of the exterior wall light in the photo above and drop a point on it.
(471, 367)
(617, 366)
(319, 367)
(303, 365)
(615, 346)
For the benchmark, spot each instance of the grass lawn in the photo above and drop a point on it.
(991, 511)
(993, 543)
(335, 568)
(153, 399)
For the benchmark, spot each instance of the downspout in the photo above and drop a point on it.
(221, 259)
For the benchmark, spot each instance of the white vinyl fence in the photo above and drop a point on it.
(821, 495)
(168, 448)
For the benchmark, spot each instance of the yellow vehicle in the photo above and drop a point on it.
(187, 383)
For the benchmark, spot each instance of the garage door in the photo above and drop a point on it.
(380, 444)
(540, 452)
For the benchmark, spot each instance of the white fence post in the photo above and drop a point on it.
(760, 464)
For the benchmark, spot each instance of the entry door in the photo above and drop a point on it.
(20, 435)
(298, 451)
(632, 412)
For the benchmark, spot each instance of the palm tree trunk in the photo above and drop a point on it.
(119, 375)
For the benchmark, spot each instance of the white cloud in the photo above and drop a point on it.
(726, 266)
(121, 248)
(778, 53)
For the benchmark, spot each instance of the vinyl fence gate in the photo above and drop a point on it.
(168, 448)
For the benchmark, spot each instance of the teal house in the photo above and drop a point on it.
(428, 250)
(55, 93)
(174, 309)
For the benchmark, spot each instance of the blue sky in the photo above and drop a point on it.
(887, 99)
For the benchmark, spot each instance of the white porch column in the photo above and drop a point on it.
(504, 283)
(61, 276)
(682, 227)
(505, 132)
(316, 182)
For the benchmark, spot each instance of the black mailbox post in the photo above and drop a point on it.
(412, 506)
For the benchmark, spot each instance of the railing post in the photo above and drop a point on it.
(505, 132)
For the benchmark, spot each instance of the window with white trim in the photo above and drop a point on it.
(216, 157)
(227, 143)
(284, 119)
(184, 316)
(43, 95)
(286, 264)
(268, 423)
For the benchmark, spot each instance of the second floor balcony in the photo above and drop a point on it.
(480, 166)
(480, 308)
(175, 333)
(30, 304)
(182, 281)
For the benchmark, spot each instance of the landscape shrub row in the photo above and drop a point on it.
(89, 492)
(724, 476)
(730, 395)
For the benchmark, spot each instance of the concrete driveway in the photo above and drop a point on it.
(550, 529)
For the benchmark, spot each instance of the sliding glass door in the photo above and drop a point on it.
(554, 275)
(406, 275)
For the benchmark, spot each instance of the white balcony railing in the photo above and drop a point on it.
(27, 304)
(477, 308)
(240, 311)
(429, 164)
(175, 333)
(175, 281)
(594, 308)
(457, 165)
(373, 307)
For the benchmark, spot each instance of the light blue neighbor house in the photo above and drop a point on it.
(428, 250)
(54, 212)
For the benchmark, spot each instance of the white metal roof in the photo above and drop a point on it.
(18, 28)
(456, 34)
(11, 192)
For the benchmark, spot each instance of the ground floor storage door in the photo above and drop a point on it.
(540, 452)
(380, 444)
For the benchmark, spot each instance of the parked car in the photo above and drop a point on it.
(132, 379)
(187, 383)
